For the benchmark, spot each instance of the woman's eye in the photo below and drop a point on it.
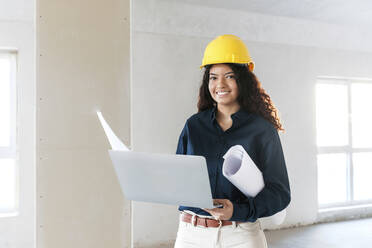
(212, 78)
(230, 76)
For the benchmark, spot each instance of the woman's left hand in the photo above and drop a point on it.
(224, 213)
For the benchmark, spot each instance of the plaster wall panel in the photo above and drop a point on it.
(83, 66)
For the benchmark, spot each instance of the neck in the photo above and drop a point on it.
(225, 112)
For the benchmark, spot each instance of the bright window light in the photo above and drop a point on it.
(331, 115)
(332, 178)
(8, 175)
(362, 175)
(5, 132)
(7, 185)
(361, 104)
(344, 141)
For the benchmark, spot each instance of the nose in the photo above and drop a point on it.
(220, 82)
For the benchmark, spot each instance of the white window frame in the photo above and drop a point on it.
(348, 149)
(10, 152)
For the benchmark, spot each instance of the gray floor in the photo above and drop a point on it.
(346, 234)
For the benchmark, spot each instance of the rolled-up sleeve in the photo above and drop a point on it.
(275, 196)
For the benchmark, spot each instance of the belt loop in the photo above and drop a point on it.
(259, 223)
(206, 222)
(217, 240)
(193, 220)
(234, 224)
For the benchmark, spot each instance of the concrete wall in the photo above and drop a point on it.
(168, 43)
(82, 66)
(17, 31)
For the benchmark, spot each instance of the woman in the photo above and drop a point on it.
(232, 109)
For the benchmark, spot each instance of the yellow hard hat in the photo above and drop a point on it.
(227, 49)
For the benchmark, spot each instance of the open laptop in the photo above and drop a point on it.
(159, 178)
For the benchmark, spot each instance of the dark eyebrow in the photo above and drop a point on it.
(225, 73)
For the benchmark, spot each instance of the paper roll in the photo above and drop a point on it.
(241, 171)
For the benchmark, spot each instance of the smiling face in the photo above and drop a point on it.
(222, 85)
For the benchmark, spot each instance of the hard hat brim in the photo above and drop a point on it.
(250, 65)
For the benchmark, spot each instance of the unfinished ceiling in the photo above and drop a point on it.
(345, 12)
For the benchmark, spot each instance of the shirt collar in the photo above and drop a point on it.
(213, 113)
(241, 114)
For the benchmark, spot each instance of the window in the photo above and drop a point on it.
(344, 141)
(8, 168)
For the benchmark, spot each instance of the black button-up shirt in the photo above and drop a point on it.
(203, 136)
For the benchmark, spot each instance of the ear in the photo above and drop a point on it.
(251, 66)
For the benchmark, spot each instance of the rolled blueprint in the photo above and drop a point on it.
(241, 171)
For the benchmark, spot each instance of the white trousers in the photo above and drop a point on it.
(244, 235)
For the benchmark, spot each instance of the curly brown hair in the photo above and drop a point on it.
(252, 97)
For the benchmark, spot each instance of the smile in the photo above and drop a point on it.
(222, 93)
